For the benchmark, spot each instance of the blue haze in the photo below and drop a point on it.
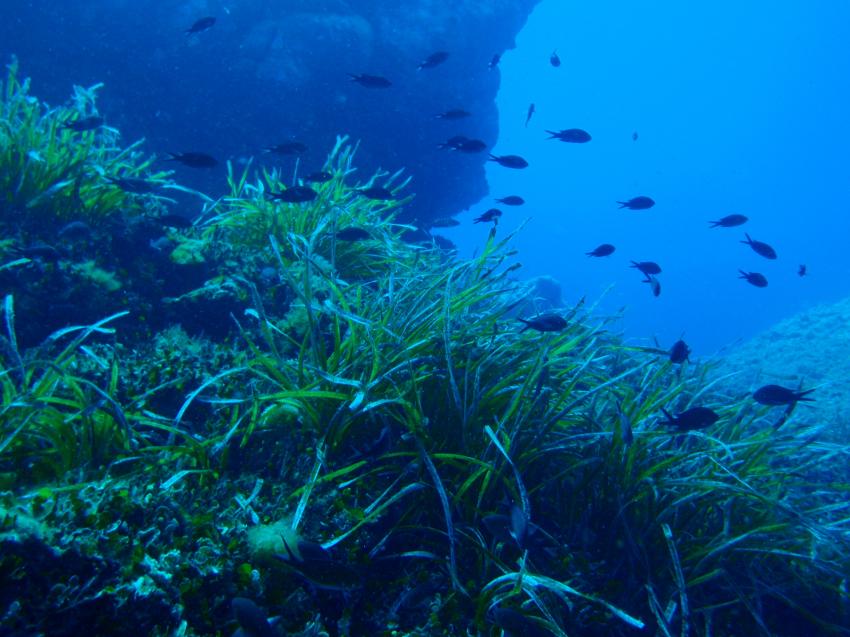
(739, 107)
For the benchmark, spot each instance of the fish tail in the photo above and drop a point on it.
(526, 326)
(744, 275)
(623, 204)
(748, 241)
(713, 224)
(803, 395)
(669, 417)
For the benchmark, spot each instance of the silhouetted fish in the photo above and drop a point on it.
(774, 395)
(646, 267)
(549, 322)
(194, 160)
(435, 59)
(528, 115)
(491, 215)
(729, 221)
(201, 25)
(802, 270)
(133, 185)
(509, 161)
(679, 352)
(252, 619)
(755, 278)
(295, 194)
(554, 60)
(512, 200)
(470, 146)
(654, 284)
(634, 136)
(287, 148)
(353, 234)
(572, 135)
(443, 243)
(82, 124)
(456, 113)
(693, 418)
(760, 247)
(377, 192)
(637, 203)
(370, 81)
(494, 61)
(603, 250)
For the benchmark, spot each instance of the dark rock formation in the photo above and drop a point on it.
(271, 72)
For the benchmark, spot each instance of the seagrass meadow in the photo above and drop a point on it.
(252, 422)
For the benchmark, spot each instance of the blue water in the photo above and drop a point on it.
(739, 108)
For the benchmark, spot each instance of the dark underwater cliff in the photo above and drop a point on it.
(268, 72)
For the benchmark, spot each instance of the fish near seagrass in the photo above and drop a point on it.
(549, 322)
(295, 194)
(491, 215)
(679, 352)
(693, 418)
(194, 160)
(252, 620)
(83, 124)
(775, 395)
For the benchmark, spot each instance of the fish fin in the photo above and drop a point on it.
(803, 395)
(623, 204)
(669, 416)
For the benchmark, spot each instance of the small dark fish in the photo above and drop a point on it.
(625, 426)
(802, 270)
(133, 185)
(453, 142)
(775, 395)
(509, 161)
(194, 160)
(654, 284)
(637, 203)
(519, 526)
(370, 81)
(377, 192)
(353, 234)
(760, 247)
(755, 278)
(251, 618)
(554, 60)
(529, 114)
(491, 215)
(74, 230)
(572, 135)
(82, 124)
(295, 194)
(729, 221)
(316, 566)
(287, 148)
(201, 25)
(646, 267)
(603, 250)
(456, 113)
(512, 200)
(173, 220)
(634, 136)
(693, 418)
(444, 222)
(470, 146)
(39, 250)
(494, 61)
(544, 323)
(319, 178)
(435, 59)
(679, 352)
